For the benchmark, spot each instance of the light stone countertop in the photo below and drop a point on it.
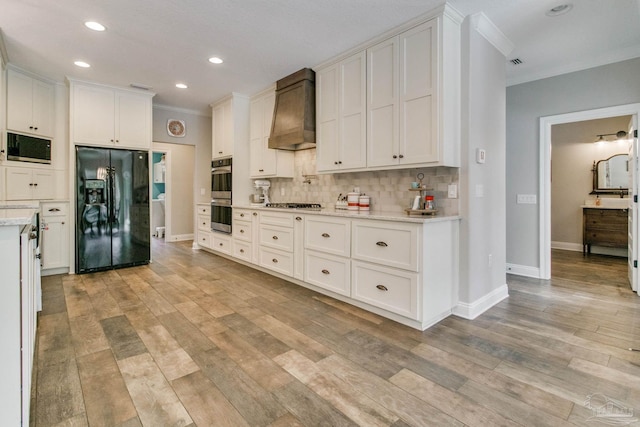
(373, 214)
(604, 207)
(16, 216)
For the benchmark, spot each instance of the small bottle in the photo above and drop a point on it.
(429, 203)
(597, 200)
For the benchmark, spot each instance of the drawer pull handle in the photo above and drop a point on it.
(241, 251)
(221, 244)
(255, 214)
(242, 215)
(325, 272)
(325, 235)
(382, 244)
(382, 287)
(54, 210)
(241, 231)
(275, 237)
(275, 261)
(298, 218)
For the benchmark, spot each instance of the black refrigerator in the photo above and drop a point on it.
(112, 208)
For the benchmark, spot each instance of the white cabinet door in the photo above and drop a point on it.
(341, 110)
(382, 103)
(222, 132)
(93, 115)
(263, 161)
(30, 105)
(43, 184)
(418, 94)
(55, 235)
(29, 184)
(132, 120)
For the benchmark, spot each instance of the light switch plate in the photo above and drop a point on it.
(527, 199)
(481, 155)
(452, 192)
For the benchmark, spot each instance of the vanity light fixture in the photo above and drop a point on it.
(82, 64)
(215, 60)
(95, 26)
(620, 135)
(181, 86)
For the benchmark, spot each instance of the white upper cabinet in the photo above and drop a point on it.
(229, 125)
(105, 116)
(30, 105)
(341, 120)
(408, 113)
(263, 161)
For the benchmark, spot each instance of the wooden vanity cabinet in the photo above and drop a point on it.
(604, 227)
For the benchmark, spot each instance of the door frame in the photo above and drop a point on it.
(544, 190)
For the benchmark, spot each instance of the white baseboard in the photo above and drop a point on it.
(567, 246)
(600, 250)
(524, 270)
(472, 310)
(178, 237)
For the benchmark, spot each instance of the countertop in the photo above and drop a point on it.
(373, 214)
(11, 215)
(604, 207)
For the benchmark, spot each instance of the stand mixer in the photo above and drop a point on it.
(260, 195)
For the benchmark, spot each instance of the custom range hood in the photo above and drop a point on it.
(294, 115)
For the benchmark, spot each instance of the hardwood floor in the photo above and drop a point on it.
(195, 339)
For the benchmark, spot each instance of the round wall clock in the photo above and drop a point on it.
(176, 128)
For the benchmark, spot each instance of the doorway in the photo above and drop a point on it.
(158, 194)
(545, 187)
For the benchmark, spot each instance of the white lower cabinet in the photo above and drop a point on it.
(390, 244)
(276, 260)
(204, 239)
(221, 242)
(276, 242)
(328, 271)
(203, 234)
(242, 250)
(54, 251)
(245, 226)
(387, 288)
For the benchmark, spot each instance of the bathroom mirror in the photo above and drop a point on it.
(611, 176)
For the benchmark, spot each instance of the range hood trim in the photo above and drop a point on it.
(294, 121)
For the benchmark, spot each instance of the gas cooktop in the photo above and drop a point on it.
(293, 205)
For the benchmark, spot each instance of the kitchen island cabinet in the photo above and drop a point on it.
(19, 302)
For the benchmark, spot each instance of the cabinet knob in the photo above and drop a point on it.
(335, 163)
(275, 237)
(382, 244)
(275, 261)
(325, 235)
(255, 214)
(111, 140)
(401, 156)
(241, 251)
(35, 184)
(31, 184)
(219, 152)
(241, 231)
(298, 218)
(325, 272)
(339, 162)
(35, 128)
(260, 170)
(395, 157)
(62, 223)
(221, 244)
(30, 127)
(242, 215)
(382, 287)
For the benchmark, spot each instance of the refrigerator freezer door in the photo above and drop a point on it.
(112, 208)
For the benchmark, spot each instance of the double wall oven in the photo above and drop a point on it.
(221, 195)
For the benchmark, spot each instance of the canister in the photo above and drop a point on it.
(364, 202)
(353, 199)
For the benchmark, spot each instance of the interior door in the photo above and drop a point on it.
(633, 206)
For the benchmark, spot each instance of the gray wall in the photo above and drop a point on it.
(482, 230)
(606, 86)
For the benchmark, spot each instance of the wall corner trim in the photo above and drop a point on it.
(472, 310)
(485, 27)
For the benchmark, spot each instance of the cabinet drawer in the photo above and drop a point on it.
(386, 288)
(242, 250)
(204, 239)
(328, 271)
(279, 261)
(54, 209)
(221, 243)
(204, 210)
(328, 235)
(394, 245)
(276, 218)
(204, 222)
(606, 238)
(242, 230)
(277, 238)
(243, 214)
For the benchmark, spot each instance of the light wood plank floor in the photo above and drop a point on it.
(194, 339)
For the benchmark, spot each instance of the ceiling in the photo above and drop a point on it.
(159, 43)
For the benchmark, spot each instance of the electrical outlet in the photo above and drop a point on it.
(452, 192)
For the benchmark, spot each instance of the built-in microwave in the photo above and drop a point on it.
(24, 148)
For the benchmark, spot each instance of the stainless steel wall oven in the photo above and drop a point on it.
(221, 195)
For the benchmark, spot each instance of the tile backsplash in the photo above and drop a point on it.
(389, 190)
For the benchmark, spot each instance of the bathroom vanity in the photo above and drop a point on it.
(604, 226)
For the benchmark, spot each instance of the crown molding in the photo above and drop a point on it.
(487, 29)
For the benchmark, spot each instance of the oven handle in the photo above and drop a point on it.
(221, 170)
(220, 202)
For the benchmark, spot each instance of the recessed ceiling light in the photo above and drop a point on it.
(215, 60)
(181, 86)
(560, 9)
(95, 26)
(82, 64)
